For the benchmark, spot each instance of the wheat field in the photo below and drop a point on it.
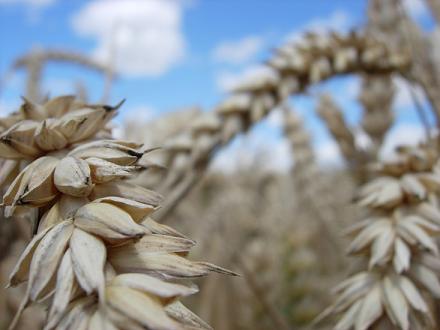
(153, 223)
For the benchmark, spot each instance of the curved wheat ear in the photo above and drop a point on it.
(290, 71)
(35, 61)
(97, 258)
(396, 238)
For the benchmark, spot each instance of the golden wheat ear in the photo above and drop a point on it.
(97, 256)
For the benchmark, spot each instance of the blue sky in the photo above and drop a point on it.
(172, 54)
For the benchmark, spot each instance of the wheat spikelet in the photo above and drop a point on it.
(290, 71)
(377, 91)
(36, 129)
(376, 96)
(97, 258)
(397, 240)
(332, 115)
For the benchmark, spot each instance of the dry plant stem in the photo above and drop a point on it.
(276, 317)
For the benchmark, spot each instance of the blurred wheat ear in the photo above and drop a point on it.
(397, 239)
(293, 68)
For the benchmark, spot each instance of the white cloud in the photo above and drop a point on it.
(246, 151)
(337, 21)
(403, 134)
(228, 80)
(6, 108)
(352, 89)
(416, 8)
(58, 86)
(275, 118)
(133, 124)
(32, 3)
(140, 114)
(141, 37)
(403, 98)
(254, 150)
(362, 139)
(328, 154)
(280, 155)
(238, 52)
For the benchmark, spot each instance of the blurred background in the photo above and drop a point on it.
(256, 210)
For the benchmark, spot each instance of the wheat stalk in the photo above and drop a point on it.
(97, 257)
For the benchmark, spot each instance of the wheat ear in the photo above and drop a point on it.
(397, 240)
(293, 68)
(98, 259)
